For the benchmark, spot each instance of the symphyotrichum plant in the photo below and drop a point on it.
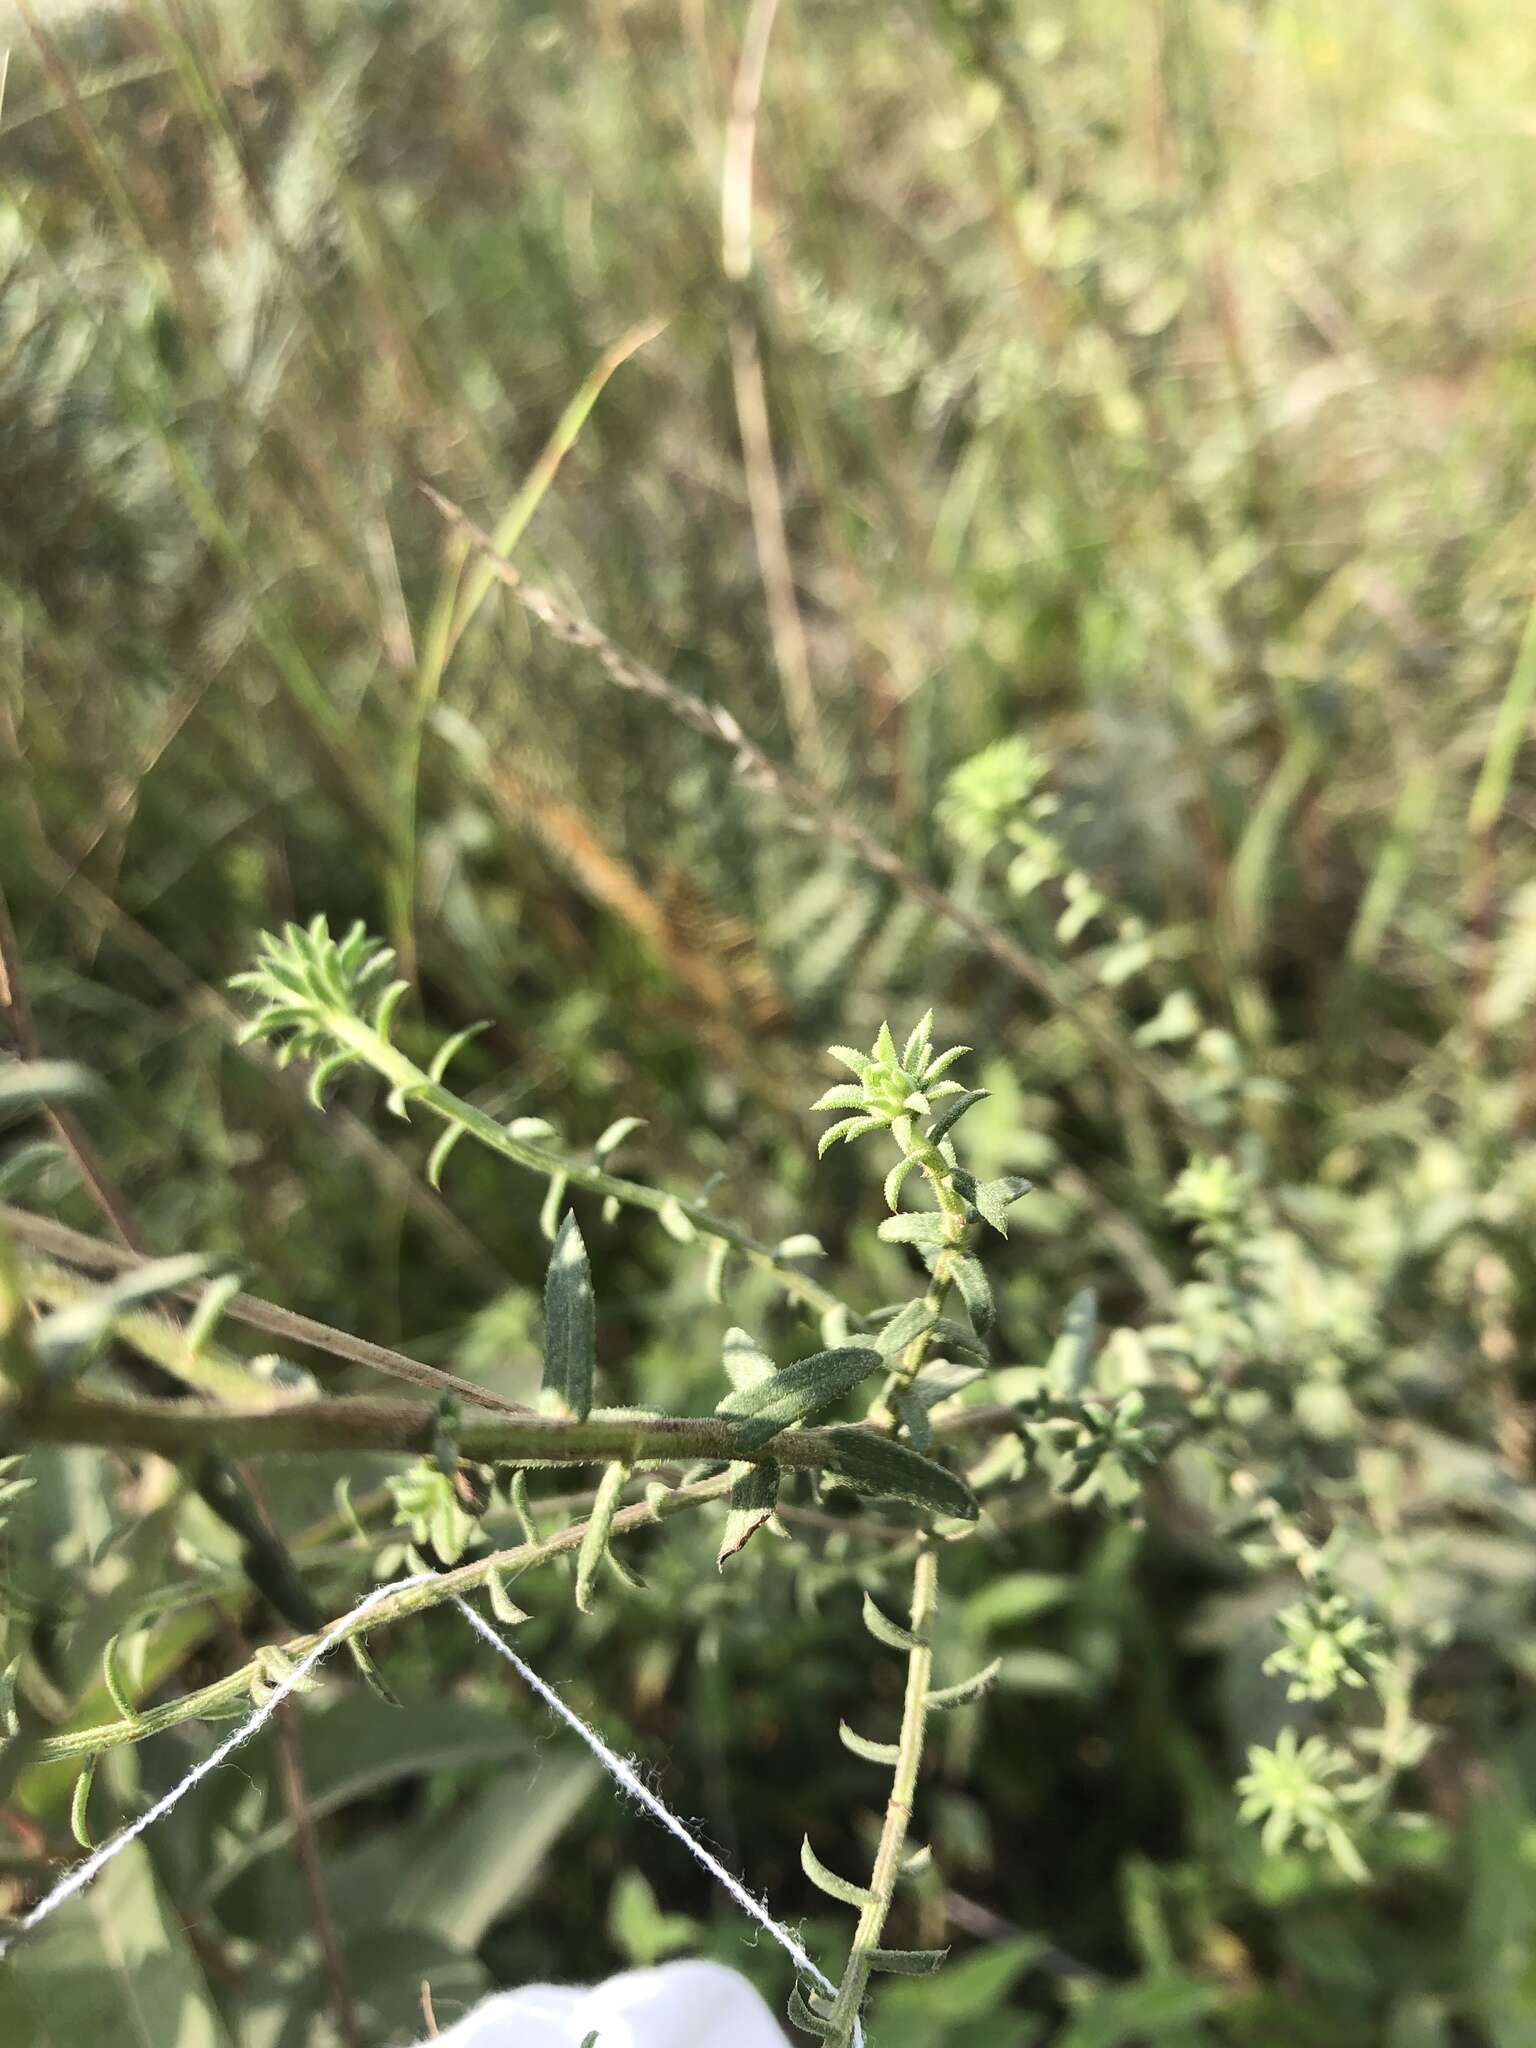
(899, 1405)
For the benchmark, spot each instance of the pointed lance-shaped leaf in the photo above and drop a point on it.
(955, 1337)
(760, 1411)
(746, 1363)
(621, 1128)
(968, 1689)
(450, 1048)
(503, 1606)
(886, 1631)
(906, 1962)
(953, 1110)
(845, 1095)
(993, 1199)
(599, 1528)
(885, 1470)
(112, 1678)
(943, 1063)
(969, 1275)
(872, 1752)
(918, 1226)
(919, 1039)
(895, 1178)
(908, 1324)
(829, 1882)
(754, 1496)
(675, 1221)
(370, 1674)
(570, 1323)
(438, 1157)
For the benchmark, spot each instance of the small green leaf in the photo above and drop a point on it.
(112, 1678)
(829, 1882)
(621, 1128)
(969, 1275)
(437, 1159)
(570, 1323)
(872, 1752)
(714, 1270)
(953, 1110)
(450, 1048)
(907, 1962)
(877, 1466)
(599, 1528)
(968, 1689)
(746, 1363)
(846, 1095)
(894, 1180)
(763, 1409)
(919, 1226)
(675, 1221)
(908, 1324)
(754, 1496)
(803, 1245)
(919, 1039)
(370, 1674)
(993, 1198)
(503, 1606)
(955, 1337)
(78, 1824)
(554, 1202)
(886, 1631)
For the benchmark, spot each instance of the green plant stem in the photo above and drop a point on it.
(179, 1430)
(898, 1812)
(935, 1169)
(226, 1694)
(416, 1085)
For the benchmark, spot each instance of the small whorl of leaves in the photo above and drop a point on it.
(1328, 1644)
(892, 1089)
(310, 984)
(428, 1503)
(1295, 1790)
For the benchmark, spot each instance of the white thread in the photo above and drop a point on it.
(625, 1775)
(82, 1874)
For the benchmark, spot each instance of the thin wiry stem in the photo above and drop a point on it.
(226, 1694)
(416, 1085)
(898, 1811)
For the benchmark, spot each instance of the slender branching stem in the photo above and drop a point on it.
(898, 1812)
(416, 1085)
(226, 1694)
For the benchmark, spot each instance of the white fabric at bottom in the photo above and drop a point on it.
(678, 2005)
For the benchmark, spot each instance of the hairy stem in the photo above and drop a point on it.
(226, 1694)
(417, 1086)
(898, 1812)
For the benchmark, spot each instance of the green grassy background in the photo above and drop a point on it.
(1151, 379)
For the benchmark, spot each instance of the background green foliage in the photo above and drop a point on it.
(1153, 394)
